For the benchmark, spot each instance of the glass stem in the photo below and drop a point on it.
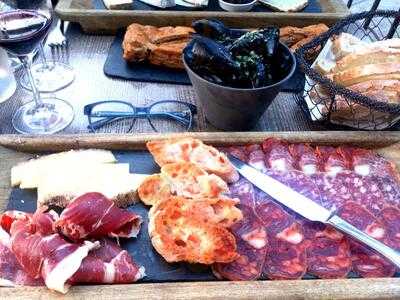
(26, 62)
(43, 55)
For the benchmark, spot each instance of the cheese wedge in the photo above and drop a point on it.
(28, 173)
(117, 185)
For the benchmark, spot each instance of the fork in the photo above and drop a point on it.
(58, 43)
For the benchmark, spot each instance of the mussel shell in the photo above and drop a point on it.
(216, 30)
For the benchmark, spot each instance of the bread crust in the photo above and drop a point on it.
(159, 45)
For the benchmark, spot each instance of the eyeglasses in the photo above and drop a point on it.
(166, 116)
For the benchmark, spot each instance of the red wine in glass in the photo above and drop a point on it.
(21, 32)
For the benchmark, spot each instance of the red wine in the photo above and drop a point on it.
(22, 30)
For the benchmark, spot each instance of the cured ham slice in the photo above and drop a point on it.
(193, 150)
(252, 244)
(48, 257)
(11, 272)
(108, 264)
(93, 215)
(277, 155)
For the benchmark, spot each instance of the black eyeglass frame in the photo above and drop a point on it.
(138, 112)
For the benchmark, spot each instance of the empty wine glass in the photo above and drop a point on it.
(21, 31)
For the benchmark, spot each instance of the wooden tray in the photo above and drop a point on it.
(109, 21)
(387, 143)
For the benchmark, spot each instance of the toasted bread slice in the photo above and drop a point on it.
(193, 150)
(154, 190)
(181, 231)
(28, 173)
(189, 180)
(59, 190)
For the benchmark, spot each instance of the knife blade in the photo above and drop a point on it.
(308, 208)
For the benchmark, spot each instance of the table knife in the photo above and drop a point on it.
(309, 209)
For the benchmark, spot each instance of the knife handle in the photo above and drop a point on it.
(342, 225)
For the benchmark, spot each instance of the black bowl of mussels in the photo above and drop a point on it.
(236, 74)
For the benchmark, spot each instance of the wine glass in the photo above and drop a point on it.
(21, 31)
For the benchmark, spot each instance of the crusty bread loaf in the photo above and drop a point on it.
(344, 44)
(120, 187)
(372, 56)
(26, 173)
(383, 71)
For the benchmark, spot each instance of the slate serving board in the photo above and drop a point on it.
(115, 66)
(312, 7)
(140, 248)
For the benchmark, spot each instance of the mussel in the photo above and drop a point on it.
(206, 56)
(216, 30)
(234, 57)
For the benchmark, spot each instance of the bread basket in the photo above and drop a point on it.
(338, 104)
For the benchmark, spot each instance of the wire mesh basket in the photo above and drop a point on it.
(325, 100)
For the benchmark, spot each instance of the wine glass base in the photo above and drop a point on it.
(50, 77)
(51, 116)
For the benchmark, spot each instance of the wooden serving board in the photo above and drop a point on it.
(18, 148)
(101, 21)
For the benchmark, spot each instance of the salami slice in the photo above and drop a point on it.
(277, 155)
(306, 159)
(286, 256)
(366, 162)
(390, 217)
(390, 188)
(257, 160)
(328, 251)
(365, 191)
(366, 263)
(251, 239)
(285, 260)
(238, 152)
(331, 161)
(245, 191)
(333, 190)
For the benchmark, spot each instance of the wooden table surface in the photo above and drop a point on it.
(87, 56)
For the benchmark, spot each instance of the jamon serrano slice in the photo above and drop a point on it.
(277, 155)
(11, 272)
(108, 264)
(93, 215)
(48, 257)
(193, 150)
(252, 244)
(365, 261)
(193, 231)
